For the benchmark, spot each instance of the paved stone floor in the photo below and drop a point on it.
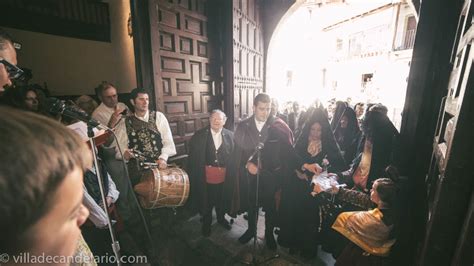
(183, 244)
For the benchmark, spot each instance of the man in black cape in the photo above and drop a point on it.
(210, 151)
(241, 181)
(240, 185)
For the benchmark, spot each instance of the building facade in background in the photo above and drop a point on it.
(371, 56)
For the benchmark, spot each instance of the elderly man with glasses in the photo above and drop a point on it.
(8, 68)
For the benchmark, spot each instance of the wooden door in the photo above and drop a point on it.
(247, 55)
(449, 238)
(187, 62)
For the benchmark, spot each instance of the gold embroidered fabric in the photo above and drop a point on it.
(144, 136)
(362, 172)
(83, 255)
(314, 147)
(366, 230)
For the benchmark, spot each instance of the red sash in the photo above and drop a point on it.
(215, 175)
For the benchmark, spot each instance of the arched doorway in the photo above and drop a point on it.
(355, 51)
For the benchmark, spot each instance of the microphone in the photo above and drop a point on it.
(56, 106)
(259, 147)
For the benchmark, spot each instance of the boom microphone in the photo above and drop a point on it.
(56, 106)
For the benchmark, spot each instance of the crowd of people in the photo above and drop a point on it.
(274, 160)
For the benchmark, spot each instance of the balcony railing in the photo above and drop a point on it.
(408, 40)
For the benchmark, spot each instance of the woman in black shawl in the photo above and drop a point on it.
(338, 112)
(299, 219)
(347, 134)
(317, 141)
(377, 144)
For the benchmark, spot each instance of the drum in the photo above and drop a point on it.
(163, 188)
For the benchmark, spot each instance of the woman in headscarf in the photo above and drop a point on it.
(347, 134)
(317, 141)
(338, 112)
(299, 219)
(375, 152)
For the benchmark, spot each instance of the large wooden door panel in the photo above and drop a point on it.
(449, 180)
(187, 60)
(248, 55)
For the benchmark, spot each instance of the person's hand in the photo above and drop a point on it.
(115, 117)
(162, 164)
(313, 168)
(319, 169)
(301, 175)
(325, 162)
(128, 154)
(316, 189)
(109, 201)
(252, 168)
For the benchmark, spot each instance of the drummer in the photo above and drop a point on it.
(149, 133)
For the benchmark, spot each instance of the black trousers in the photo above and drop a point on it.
(270, 220)
(99, 241)
(214, 199)
(266, 199)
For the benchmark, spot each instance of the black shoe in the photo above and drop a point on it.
(270, 240)
(224, 223)
(245, 238)
(309, 254)
(206, 230)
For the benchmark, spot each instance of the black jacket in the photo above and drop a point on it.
(197, 161)
(237, 184)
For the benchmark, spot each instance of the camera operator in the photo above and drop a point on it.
(8, 68)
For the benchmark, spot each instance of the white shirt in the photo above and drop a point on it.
(102, 114)
(163, 127)
(259, 125)
(97, 214)
(217, 138)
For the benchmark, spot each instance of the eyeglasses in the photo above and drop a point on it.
(14, 72)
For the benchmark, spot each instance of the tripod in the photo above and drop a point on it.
(256, 211)
(115, 244)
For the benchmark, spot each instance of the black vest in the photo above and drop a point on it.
(144, 136)
(215, 157)
(92, 184)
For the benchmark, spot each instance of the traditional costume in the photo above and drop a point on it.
(209, 155)
(240, 186)
(348, 138)
(370, 234)
(299, 215)
(375, 152)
